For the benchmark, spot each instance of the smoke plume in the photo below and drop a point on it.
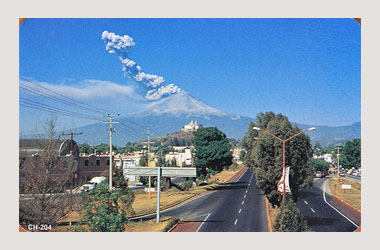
(154, 84)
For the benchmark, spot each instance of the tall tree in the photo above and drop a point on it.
(319, 165)
(212, 151)
(264, 154)
(351, 154)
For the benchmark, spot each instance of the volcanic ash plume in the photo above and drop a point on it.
(121, 46)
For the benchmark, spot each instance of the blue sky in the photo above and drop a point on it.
(306, 69)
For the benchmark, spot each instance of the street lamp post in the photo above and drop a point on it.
(283, 151)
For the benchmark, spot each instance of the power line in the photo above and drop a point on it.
(37, 92)
(48, 108)
(96, 109)
(128, 133)
(130, 129)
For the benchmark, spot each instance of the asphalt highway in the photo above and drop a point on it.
(322, 217)
(234, 207)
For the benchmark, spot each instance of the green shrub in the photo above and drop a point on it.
(289, 219)
(106, 211)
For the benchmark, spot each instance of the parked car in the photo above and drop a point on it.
(92, 184)
(318, 174)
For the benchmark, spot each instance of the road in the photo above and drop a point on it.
(234, 207)
(353, 178)
(320, 216)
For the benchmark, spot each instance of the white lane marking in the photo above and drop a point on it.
(236, 221)
(203, 222)
(242, 202)
(312, 210)
(245, 196)
(305, 202)
(324, 198)
(246, 191)
(182, 204)
(239, 210)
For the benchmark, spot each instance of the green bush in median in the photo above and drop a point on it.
(289, 219)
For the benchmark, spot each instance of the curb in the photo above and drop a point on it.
(175, 225)
(268, 218)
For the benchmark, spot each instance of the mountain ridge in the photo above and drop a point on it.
(171, 113)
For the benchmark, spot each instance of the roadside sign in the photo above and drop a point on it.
(150, 190)
(165, 171)
(346, 186)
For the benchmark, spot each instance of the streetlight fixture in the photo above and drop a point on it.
(283, 151)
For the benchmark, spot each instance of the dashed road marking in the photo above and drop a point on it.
(312, 210)
(245, 196)
(242, 202)
(239, 210)
(236, 221)
(305, 202)
(246, 191)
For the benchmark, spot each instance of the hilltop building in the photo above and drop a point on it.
(191, 126)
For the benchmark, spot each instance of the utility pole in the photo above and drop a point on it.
(338, 160)
(148, 134)
(111, 130)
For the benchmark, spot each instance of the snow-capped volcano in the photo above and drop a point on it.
(181, 103)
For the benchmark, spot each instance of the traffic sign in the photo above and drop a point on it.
(166, 171)
(150, 190)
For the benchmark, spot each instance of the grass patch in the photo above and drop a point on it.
(351, 196)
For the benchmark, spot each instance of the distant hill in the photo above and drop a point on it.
(331, 136)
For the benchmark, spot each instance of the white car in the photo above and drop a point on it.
(87, 187)
(92, 184)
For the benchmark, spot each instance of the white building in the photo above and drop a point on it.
(328, 158)
(182, 159)
(191, 126)
(236, 153)
(127, 163)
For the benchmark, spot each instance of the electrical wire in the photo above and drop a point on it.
(75, 101)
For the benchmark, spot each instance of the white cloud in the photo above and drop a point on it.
(90, 89)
